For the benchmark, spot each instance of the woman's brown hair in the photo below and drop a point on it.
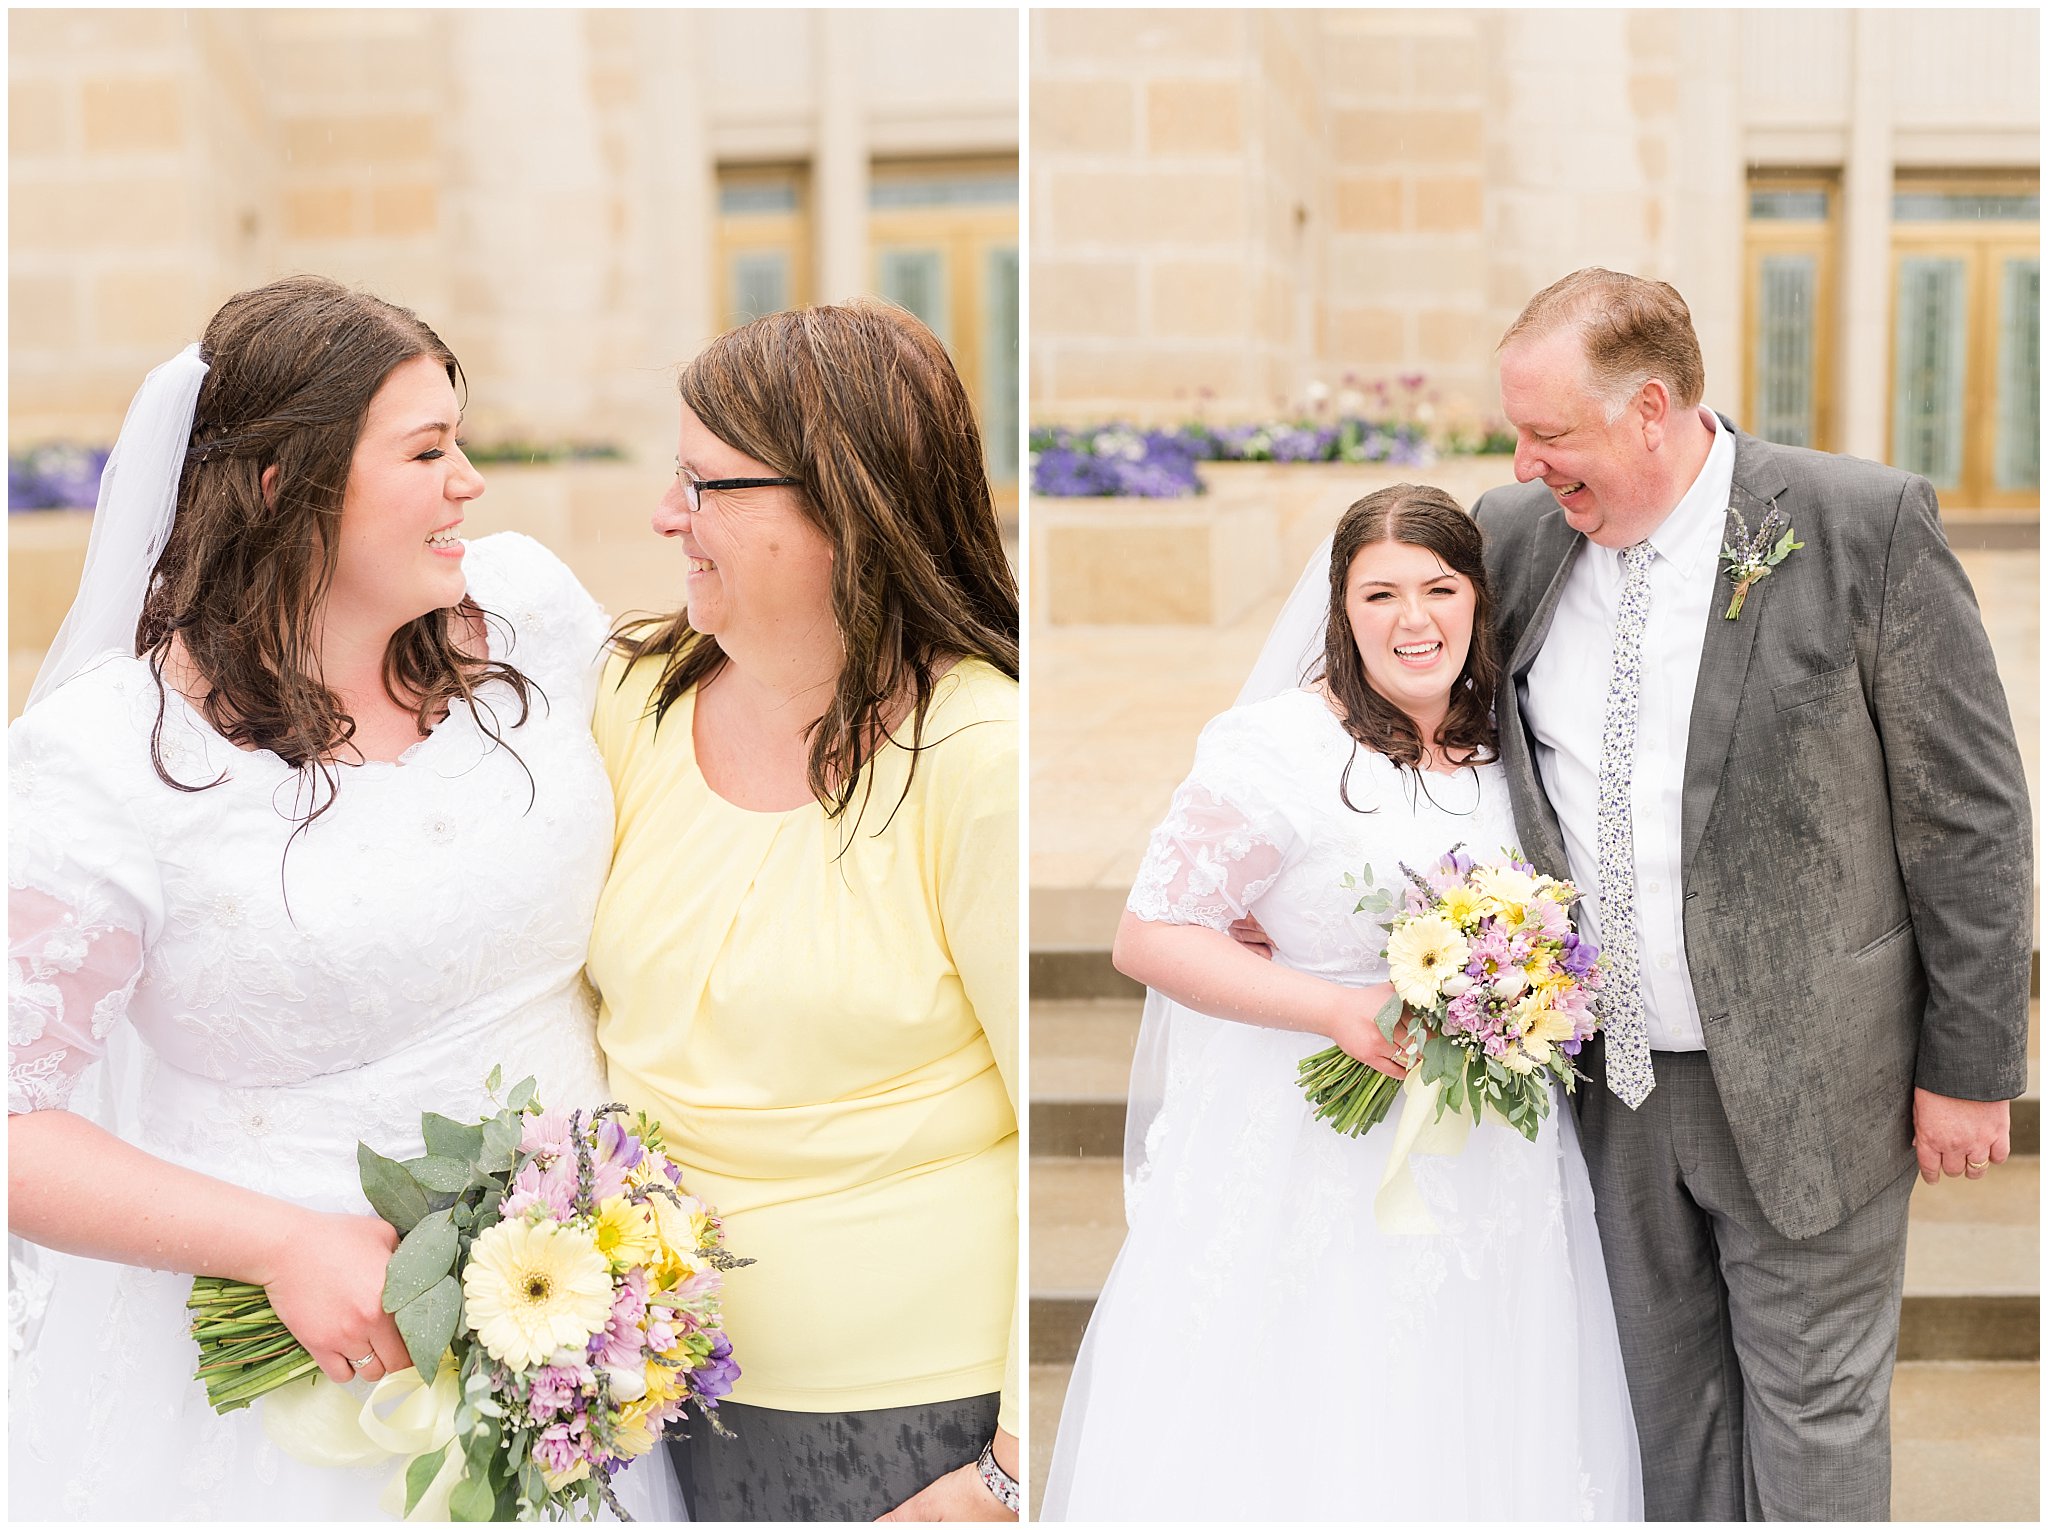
(1415, 515)
(861, 404)
(291, 370)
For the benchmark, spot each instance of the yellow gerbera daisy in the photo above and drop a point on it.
(1504, 884)
(630, 1436)
(1461, 905)
(1421, 954)
(625, 1233)
(531, 1290)
(665, 1383)
(682, 1225)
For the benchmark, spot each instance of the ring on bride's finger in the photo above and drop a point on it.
(1975, 1163)
(359, 1364)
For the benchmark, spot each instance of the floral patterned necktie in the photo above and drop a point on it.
(1621, 998)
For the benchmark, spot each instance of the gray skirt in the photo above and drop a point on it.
(826, 1467)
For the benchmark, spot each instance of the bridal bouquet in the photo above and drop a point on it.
(558, 1292)
(1498, 987)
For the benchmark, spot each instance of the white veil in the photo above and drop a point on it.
(1292, 654)
(137, 502)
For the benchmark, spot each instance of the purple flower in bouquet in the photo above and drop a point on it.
(552, 1187)
(714, 1378)
(546, 1133)
(1580, 958)
(556, 1387)
(1464, 1013)
(560, 1447)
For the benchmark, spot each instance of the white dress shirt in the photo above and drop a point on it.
(1564, 695)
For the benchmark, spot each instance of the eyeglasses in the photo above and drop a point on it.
(694, 488)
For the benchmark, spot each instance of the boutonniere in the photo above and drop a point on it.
(1752, 557)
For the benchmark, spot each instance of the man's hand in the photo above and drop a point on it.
(1250, 934)
(1959, 1136)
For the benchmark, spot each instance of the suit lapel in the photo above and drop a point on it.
(1555, 545)
(1724, 657)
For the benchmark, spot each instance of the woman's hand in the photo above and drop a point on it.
(1354, 1026)
(326, 1282)
(961, 1494)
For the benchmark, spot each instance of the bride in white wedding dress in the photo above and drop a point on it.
(312, 864)
(1261, 1350)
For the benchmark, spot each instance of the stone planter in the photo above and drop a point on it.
(594, 515)
(1210, 559)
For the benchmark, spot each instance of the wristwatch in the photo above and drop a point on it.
(998, 1481)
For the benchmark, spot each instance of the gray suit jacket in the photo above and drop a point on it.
(1855, 831)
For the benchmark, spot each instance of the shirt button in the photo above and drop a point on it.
(1666, 961)
(1653, 887)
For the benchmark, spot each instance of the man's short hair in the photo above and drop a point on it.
(1630, 329)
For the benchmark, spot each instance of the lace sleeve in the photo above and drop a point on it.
(82, 899)
(1228, 834)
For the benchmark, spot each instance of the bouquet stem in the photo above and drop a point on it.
(1352, 1096)
(244, 1348)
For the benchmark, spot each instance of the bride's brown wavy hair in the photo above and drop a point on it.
(1415, 515)
(861, 404)
(291, 370)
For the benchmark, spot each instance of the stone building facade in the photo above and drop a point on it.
(1229, 206)
(550, 188)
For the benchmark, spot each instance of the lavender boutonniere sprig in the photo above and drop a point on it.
(1750, 558)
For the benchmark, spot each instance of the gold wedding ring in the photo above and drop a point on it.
(1975, 1163)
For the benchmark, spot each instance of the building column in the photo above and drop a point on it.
(1862, 367)
(1709, 208)
(677, 196)
(839, 161)
(528, 214)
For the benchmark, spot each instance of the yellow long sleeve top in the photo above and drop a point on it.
(829, 1041)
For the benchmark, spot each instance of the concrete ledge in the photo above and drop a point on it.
(1965, 1327)
(1209, 559)
(1079, 975)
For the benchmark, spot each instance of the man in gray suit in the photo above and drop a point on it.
(1798, 817)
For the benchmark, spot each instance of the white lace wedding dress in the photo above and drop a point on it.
(1261, 1351)
(272, 1001)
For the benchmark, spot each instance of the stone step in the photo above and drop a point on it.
(1973, 1273)
(1081, 1059)
(1965, 1438)
(1071, 930)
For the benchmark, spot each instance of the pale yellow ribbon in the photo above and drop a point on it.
(1398, 1207)
(322, 1423)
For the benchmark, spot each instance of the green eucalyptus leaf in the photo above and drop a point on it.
(1389, 1017)
(390, 1188)
(429, 1321)
(450, 1139)
(532, 1485)
(522, 1093)
(472, 1502)
(420, 1474)
(424, 1255)
(495, 1078)
(441, 1176)
(500, 1145)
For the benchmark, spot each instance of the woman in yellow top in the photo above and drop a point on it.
(807, 947)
